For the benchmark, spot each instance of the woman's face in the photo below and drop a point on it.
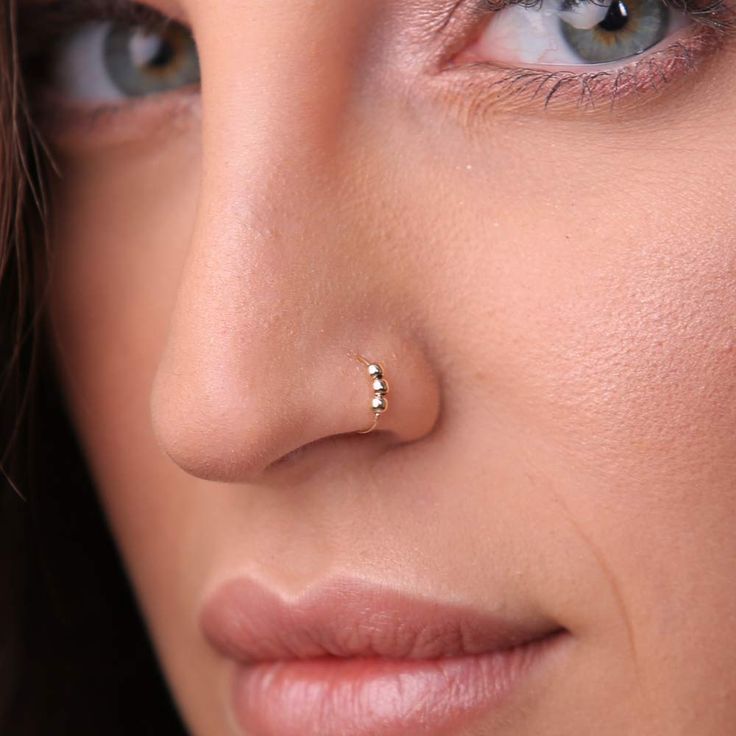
(542, 255)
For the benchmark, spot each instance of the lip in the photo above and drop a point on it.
(351, 657)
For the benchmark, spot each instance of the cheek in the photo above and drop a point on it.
(121, 234)
(628, 354)
(588, 297)
(609, 347)
(622, 309)
(122, 224)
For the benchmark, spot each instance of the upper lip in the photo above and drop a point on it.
(346, 617)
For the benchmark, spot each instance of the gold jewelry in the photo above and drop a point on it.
(379, 402)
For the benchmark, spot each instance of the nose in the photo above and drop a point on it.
(289, 274)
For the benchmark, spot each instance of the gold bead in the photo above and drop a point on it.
(379, 404)
(375, 370)
(380, 386)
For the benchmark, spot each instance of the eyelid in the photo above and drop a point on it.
(625, 91)
(717, 14)
(107, 116)
(42, 24)
(145, 121)
(479, 90)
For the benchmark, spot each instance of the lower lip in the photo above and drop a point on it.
(334, 696)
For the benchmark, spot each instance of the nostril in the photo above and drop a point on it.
(323, 444)
(296, 455)
(299, 452)
(339, 453)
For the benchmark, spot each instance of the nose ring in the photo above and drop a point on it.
(379, 402)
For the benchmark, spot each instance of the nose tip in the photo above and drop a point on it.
(233, 431)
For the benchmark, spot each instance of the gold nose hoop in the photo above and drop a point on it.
(379, 402)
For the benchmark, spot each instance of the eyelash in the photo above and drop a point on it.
(588, 89)
(45, 21)
(716, 23)
(712, 13)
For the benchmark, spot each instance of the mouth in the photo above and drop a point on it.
(352, 658)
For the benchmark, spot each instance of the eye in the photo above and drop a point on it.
(575, 32)
(104, 62)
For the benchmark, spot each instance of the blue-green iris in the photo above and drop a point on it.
(629, 28)
(140, 62)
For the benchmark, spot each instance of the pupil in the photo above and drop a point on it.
(616, 18)
(151, 51)
(163, 56)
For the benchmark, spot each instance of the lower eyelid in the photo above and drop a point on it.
(133, 121)
(487, 87)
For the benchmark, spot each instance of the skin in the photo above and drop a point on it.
(552, 293)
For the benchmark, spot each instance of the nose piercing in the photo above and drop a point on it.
(379, 402)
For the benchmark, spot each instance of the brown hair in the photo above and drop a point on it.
(74, 655)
